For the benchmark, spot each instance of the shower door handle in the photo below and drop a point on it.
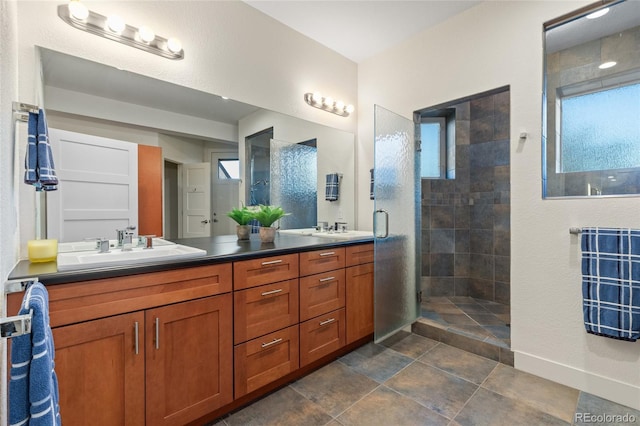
(386, 224)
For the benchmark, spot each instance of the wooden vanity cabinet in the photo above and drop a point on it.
(166, 363)
(360, 288)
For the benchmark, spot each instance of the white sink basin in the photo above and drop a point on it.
(300, 231)
(116, 257)
(90, 245)
(348, 235)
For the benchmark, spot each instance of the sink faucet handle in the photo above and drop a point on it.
(146, 240)
(342, 227)
(103, 245)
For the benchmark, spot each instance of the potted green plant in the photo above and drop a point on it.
(242, 217)
(267, 216)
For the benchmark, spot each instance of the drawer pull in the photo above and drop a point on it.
(266, 345)
(324, 280)
(267, 293)
(329, 253)
(329, 321)
(272, 262)
(157, 333)
(136, 336)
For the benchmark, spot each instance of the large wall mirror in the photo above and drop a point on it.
(591, 109)
(190, 165)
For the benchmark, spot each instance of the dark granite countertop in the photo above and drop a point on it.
(219, 249)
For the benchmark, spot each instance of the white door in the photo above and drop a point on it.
(196, 200)
(225, 191)
(98, 190)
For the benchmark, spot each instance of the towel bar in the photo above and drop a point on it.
(575, 231)
(19, 324)
(21, 110)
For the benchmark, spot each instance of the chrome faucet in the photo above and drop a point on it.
(342, 228)
(103, 245)
(125, 238)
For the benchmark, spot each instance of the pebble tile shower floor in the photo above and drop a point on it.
(415, 380)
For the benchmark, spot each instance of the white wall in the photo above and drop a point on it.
(9, 245)
(492, 45)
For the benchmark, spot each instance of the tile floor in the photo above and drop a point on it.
(414, 380)
(481, 319)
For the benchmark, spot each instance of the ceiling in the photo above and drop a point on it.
(360, 29)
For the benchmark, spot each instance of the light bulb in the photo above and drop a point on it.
(606, 65)
(339, 105)
(115, 24)
(598, 13)
(316, 97)
(328, 102)
(146, 34)
(174, 45)
(78, 10)
(350, 108)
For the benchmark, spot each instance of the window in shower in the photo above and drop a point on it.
(591, 103)
(437, 154)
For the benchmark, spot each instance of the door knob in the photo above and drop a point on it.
(205, 221)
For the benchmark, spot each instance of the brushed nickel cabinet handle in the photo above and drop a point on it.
(135, 330)
(329, 253)
(272, 262)
(273, 342)
(324, 280)
(267, 293)
(157, 333)
(329, 321)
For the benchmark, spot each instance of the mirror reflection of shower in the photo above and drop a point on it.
(258, 155)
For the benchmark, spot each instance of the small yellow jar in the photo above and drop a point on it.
(42, 250)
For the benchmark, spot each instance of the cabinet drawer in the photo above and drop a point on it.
(322, 293)
(264, 309)
(357, 255)
(251, 273)
(322, 335)
(314, 262)
(263, 360)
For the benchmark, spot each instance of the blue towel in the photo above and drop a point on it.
(39, 166)
(332, 190)
(611, 282)
(33, 388)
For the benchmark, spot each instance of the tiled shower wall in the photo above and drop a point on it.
(466, 220)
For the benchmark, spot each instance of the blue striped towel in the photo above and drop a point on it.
(332, 190)
(33, 388)
(39, 166)
(611, 282)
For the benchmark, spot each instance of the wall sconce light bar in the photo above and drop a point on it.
(316, 100)
(97, 24)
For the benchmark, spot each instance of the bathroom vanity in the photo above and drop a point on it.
(185, 342)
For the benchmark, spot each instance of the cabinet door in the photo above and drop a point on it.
(264, 309)
(359, 301)
(321, 293)
(100, 375)
(189, 358)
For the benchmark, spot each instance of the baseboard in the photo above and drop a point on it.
(604, 387)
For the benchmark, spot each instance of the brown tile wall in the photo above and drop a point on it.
(466, 220)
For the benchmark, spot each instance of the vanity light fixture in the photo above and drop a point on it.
(598, 13)
(114, 28)
(606, 65)
(328, 104)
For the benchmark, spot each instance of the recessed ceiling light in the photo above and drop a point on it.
(606, 65)
(598, 13)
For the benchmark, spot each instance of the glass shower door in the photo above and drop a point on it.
(396, 223)
(294, 183)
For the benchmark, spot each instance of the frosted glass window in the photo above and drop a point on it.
(597, 133)
(433, 148)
